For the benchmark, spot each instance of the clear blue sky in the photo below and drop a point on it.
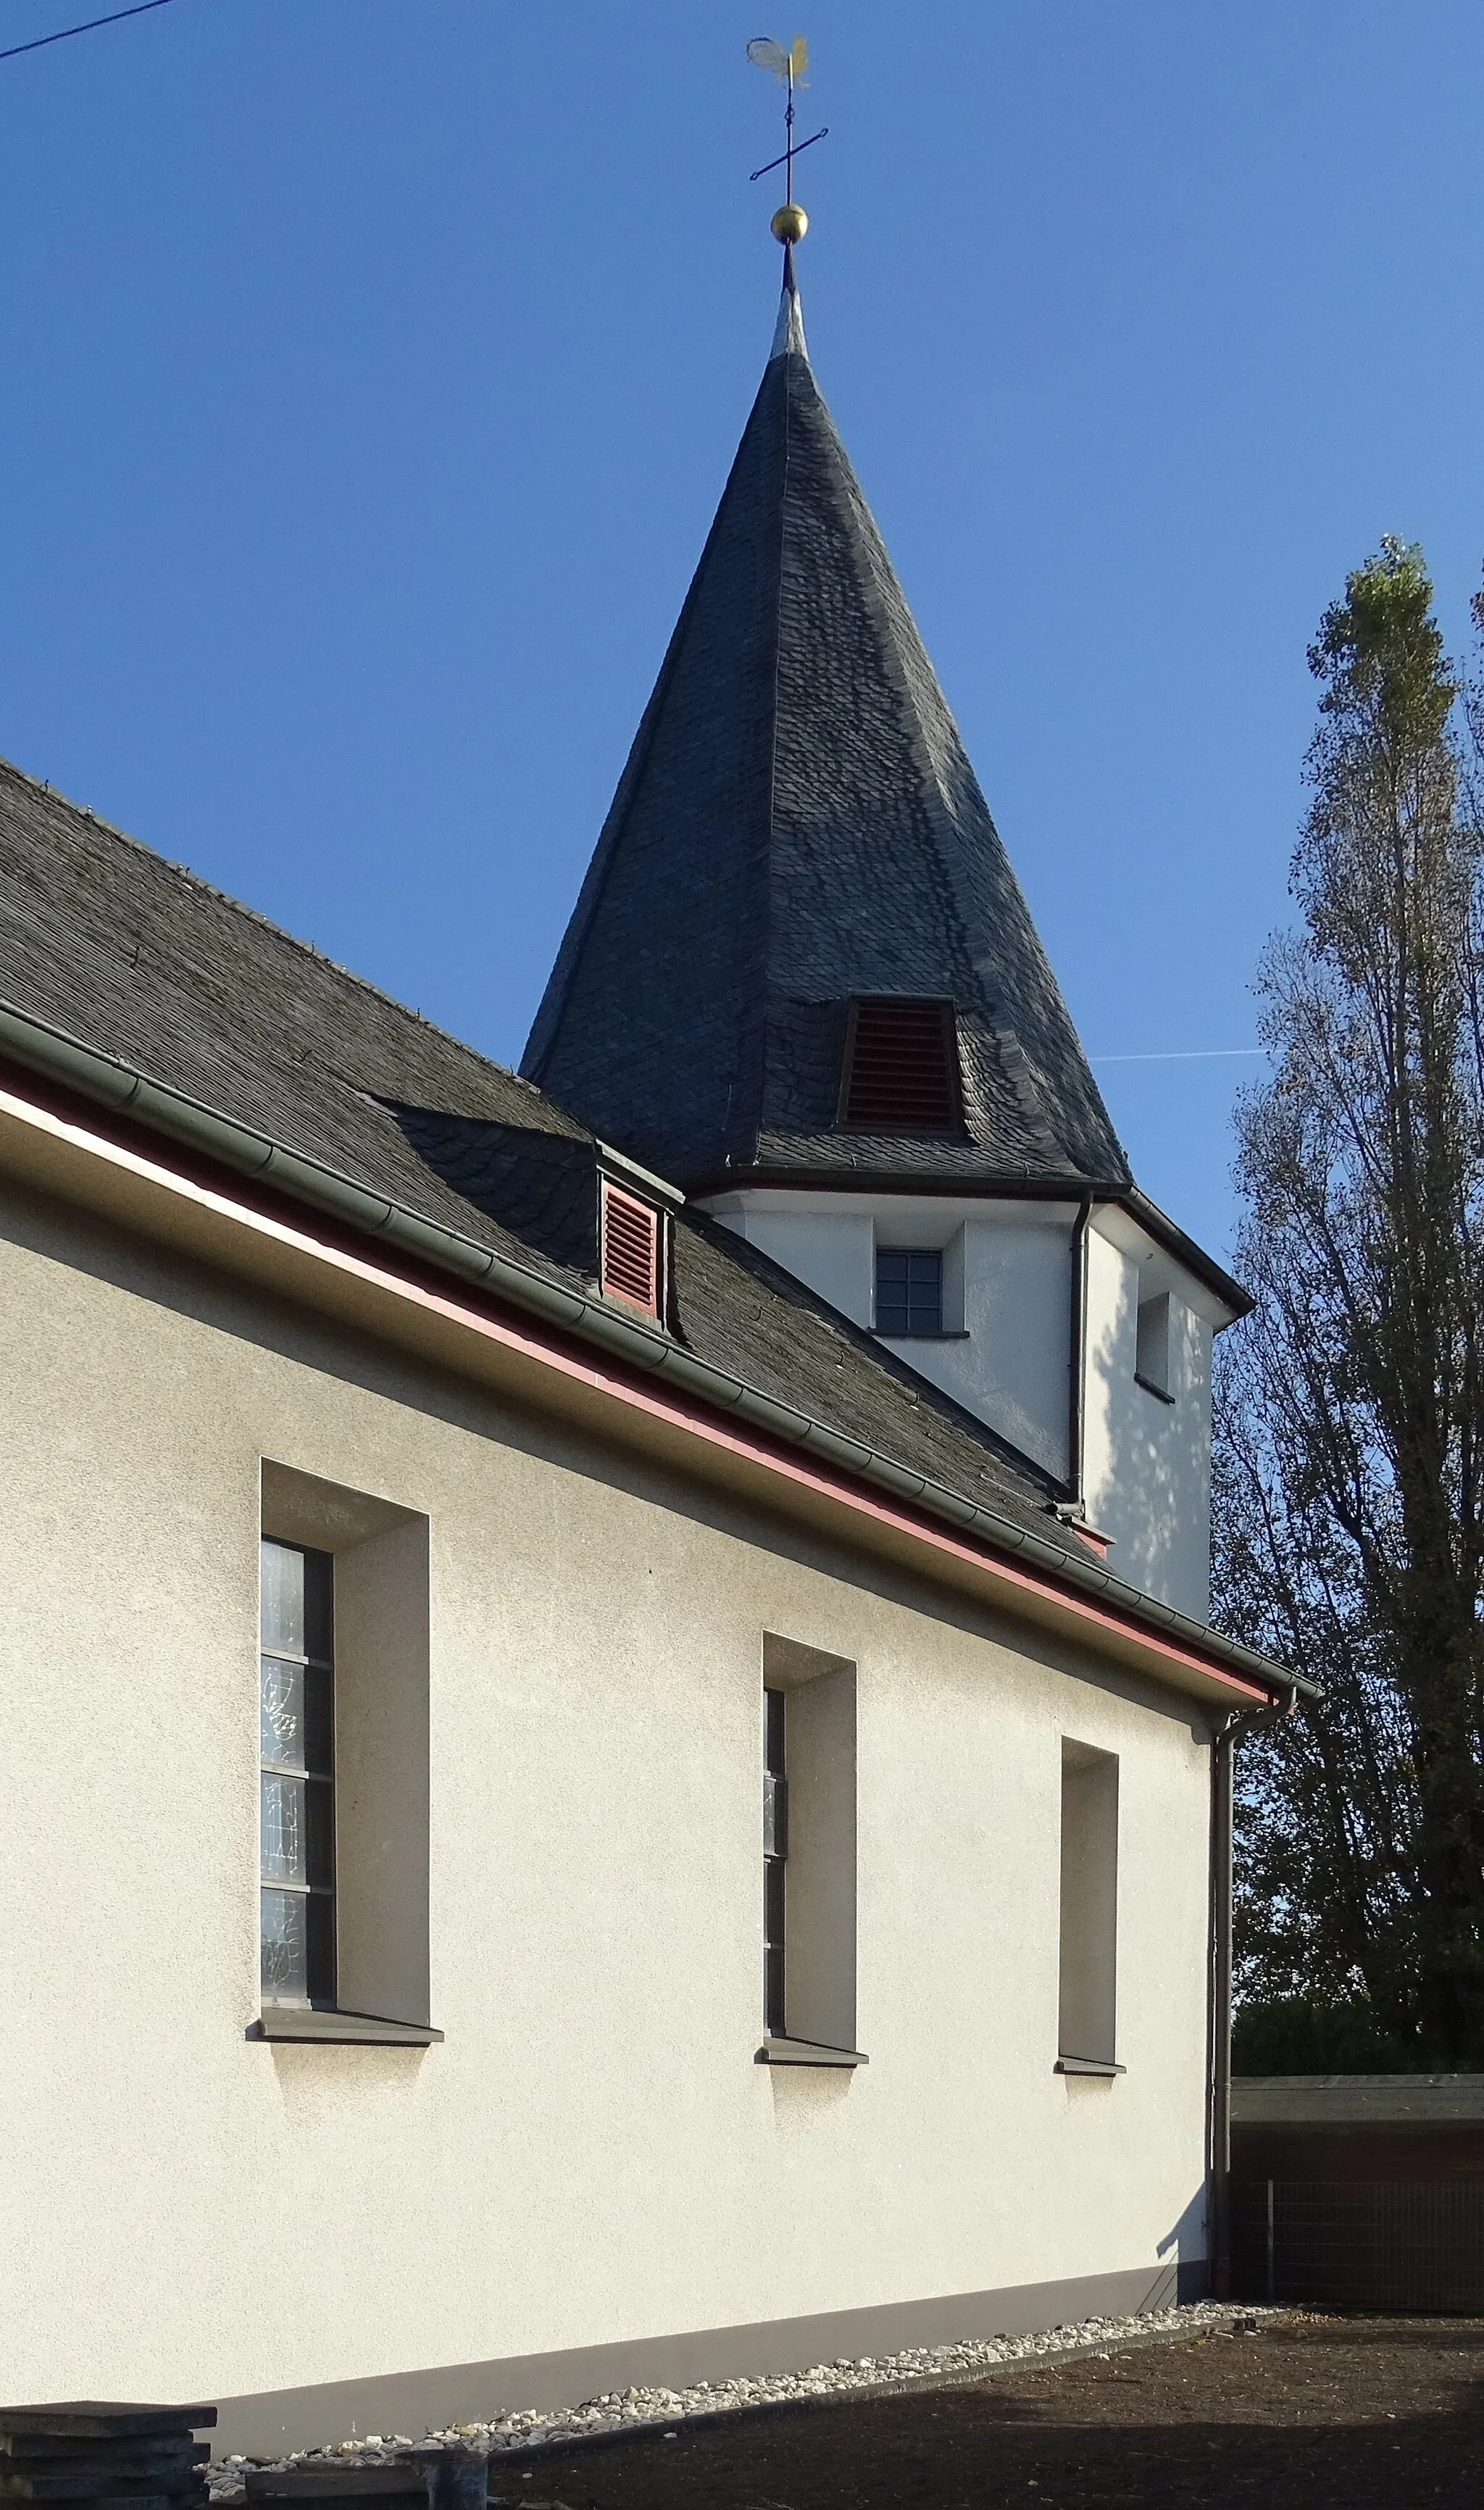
(373, 368)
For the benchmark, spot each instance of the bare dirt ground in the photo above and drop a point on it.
(1311, 2414)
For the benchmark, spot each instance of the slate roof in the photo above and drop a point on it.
(140, 960)
(798, 825)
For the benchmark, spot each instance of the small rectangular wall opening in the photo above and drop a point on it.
(1152, 1353)
(376, 1567)
(909, 1292)
(631, 1233)
(1089, 1904)
(809, 1845)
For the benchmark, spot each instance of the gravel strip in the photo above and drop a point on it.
(560, 2427)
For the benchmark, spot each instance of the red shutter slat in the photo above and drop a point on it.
(630, 1253)
(903, 1075)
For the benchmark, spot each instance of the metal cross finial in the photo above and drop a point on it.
(789, 66)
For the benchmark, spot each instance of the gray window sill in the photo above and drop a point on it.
(919, 1337)
(1089, 2066)
(368, 2030)
(807, 2052)
(1150, 1387)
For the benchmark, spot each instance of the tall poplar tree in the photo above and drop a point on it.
(1350, 1433)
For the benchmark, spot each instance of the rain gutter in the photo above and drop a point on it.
(115, 1085)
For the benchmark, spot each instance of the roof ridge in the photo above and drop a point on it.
(254, 915)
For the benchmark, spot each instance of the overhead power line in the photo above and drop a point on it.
(39, 43)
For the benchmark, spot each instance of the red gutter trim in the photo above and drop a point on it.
(263, 1213)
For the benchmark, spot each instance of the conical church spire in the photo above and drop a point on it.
(799, 869)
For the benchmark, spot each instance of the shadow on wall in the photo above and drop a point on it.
(1146, 1452)
(1186, 2244)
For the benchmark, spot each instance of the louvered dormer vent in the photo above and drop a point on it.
(901, 1068)
(630, 1250)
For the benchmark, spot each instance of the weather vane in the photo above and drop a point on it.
(790, 223)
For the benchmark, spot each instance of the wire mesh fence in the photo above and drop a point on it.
(1359, 2244)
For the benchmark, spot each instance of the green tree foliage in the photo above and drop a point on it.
(1351, 1406)
(1295, 2035)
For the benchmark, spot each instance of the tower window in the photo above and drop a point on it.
(1152, 1347)
(631, 1249)
(297, 1720)
(901, 1068)
(910, 1290)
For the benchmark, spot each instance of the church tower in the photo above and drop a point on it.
(802, 982)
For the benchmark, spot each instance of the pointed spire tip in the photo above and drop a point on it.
(788, 332)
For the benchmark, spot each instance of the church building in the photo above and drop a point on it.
(610, 1736)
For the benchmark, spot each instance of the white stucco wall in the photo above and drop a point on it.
(832, 1248)
(1006, 1293)
(1146, 1463)
(592, 2153)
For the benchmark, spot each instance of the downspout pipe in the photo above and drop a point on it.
(1076, 1357)
(1225, 1745)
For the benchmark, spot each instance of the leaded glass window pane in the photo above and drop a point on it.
(280, 1714)
(285, 1946)
(295, 1717)
(284, 1598)
(296, 1747)
(285, 1855)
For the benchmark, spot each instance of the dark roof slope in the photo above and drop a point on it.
(142, 961)
(798, 825)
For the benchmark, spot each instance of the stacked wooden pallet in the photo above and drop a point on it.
(146, 2455)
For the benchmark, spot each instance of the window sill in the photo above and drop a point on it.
(1150, 1387)
(369, 2030)
(918, 1337)
(1089, 2066)
(806, 2052)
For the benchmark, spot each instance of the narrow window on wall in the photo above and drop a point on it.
(1151, 1348)
(775, 1861)
(809, 1855)
(1090, 1906)
(297, 1792)
(910, 1290)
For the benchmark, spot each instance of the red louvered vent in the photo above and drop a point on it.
(901, 1068)
(631, 1249)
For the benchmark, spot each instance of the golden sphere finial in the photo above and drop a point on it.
(789, 224)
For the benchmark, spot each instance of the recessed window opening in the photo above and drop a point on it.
(901, 1068)
(1151, 1348)
(631, 1249)
(809, 1847)
(775, 1862)
(910, 1290)
(1090, 1903)
(296, 1731)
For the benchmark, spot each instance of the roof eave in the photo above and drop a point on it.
(1006, 1186)
(153, 1105)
